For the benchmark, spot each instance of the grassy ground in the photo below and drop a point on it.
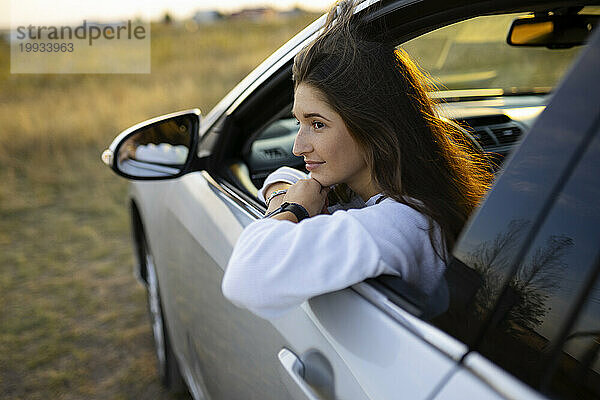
(73, 321)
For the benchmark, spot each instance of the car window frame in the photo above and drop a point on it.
(389, 11)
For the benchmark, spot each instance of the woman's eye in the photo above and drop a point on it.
(318, 124)
(297, 122)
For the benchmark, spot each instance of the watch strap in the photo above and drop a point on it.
(275, 211)
(296, 209)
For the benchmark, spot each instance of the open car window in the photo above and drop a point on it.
(485, 93)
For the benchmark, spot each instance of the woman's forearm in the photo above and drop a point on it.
(278, 200)
(286, 216)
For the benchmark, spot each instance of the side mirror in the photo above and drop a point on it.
(160, 148)
(551, 31)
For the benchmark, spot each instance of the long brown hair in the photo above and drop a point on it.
(380, 94)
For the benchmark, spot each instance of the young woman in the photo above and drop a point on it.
(405, 180)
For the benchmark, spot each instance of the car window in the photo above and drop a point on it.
(272, 149)
(471, 66)
(473, 54)
(543, 294)
(577, 368)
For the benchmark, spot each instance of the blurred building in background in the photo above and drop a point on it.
(206, 16)
(255, 14)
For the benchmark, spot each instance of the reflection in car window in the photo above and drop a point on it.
(541, 296)
(473, 54)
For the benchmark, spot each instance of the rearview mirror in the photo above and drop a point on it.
(551, 31)
(160, 148)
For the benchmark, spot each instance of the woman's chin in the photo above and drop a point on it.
(319, 178)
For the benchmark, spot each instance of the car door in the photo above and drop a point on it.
(535, 248)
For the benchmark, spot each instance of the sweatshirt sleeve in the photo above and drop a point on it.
(282, 174)
(277, 265)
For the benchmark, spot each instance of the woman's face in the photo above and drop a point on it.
(331, 154)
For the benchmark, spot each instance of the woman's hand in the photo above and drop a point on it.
(309, 194)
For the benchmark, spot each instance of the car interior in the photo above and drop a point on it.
(492, 89)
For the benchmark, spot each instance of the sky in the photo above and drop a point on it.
(36, 12)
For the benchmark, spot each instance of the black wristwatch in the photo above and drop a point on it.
(295, 208)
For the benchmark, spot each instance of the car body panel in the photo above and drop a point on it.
(385, 357)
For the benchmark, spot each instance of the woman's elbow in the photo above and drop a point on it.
(233, 288)
(246, 292)
(241, 289)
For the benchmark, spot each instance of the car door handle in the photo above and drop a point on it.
(292, 372)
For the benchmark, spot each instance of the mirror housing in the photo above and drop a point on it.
(160, 148)
(554, 31)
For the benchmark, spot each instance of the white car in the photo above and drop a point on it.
(523, 316)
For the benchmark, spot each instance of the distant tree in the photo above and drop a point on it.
(167, 19)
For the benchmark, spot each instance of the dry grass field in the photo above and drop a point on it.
(73, 321)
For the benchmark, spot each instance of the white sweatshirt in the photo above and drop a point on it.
(277, 265)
